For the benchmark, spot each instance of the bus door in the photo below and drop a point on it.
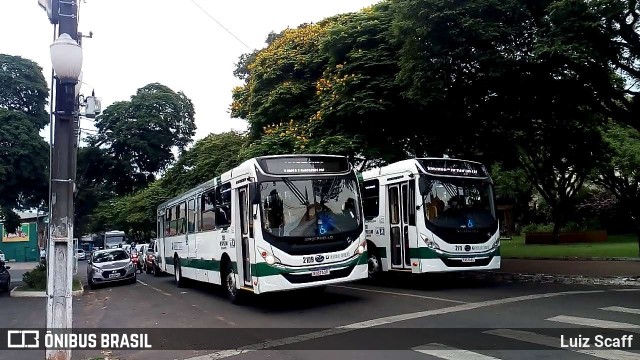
(402, 219)
(190, 236)
(159, 246)
(246, 231)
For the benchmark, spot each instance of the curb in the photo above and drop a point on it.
(569, 258)
(633, 281)
(39, 294)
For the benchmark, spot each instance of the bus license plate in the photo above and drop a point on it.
(113, 276)
(320, 272)
(468, 260)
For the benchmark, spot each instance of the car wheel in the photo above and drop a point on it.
(134, 279)
(156, 270)
(147, 269)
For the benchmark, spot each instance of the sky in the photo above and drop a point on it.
(173, 42)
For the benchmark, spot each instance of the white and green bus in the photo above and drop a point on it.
(270, 224)
(430, 215)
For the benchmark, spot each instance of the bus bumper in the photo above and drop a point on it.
(448, 265)
(290, 281)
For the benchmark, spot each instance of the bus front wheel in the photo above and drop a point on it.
(230, 285)
(374, 264)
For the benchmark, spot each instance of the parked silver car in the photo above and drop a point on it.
(109, 266)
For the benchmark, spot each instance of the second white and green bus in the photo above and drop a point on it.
(273, 223)
(430, 215)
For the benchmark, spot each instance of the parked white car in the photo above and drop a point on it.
(80, 254)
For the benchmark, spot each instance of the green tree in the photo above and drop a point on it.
(24, 160)
(599, 41)
(23, 153)
(136, 213)
(141, 134)
(23, 88)
(621, 173)
(491, 69)
(209, 157)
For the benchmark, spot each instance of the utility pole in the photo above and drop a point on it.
(60, 246)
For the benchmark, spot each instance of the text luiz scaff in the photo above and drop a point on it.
(596, 342)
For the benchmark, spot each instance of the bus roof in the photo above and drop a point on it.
(433, 166)
(260, 162)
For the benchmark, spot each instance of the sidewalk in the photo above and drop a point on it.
(22, 265)
(596, 268)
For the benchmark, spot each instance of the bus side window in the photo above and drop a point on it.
(191, 216)
(207, 216)
(371, 198)
(167, 223)
(223, 205)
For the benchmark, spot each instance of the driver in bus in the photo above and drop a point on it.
(274, 207)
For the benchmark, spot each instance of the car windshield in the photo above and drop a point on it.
(304, 208)
(459, 203)
(102, 257)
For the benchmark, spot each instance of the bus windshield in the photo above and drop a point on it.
(307, 208)
(459, 203)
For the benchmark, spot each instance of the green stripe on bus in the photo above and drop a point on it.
(382, 252)
(259, 269)
(426, 253)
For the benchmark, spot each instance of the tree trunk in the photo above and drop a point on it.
(558, 218)
(638, 237)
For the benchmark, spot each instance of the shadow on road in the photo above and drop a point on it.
(433, 282)
(284, 302)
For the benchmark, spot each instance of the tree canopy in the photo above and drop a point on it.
(141, 134)
(23, 152)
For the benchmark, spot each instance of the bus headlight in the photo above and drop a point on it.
(496, 244)
(361, 248)
(430, 243)
(268, 258)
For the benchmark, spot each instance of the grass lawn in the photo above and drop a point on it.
(615, 246)
(76, 286)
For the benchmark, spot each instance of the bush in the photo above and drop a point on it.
(531, 228)
(36, 278)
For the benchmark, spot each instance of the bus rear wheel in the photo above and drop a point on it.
(180, 281)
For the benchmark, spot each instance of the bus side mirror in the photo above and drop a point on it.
(423, 186)
(254, 194)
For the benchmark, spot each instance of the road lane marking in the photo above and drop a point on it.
(400, 294)
(154, 288)
(605, 324)
(554, 342)
(387, 320)
(449, 353)
(622, 309)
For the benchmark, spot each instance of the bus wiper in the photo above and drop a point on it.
(326, 196)
(294, 189)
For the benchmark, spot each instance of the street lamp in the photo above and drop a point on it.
(66, 58)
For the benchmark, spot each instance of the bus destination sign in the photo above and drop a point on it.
(454, 168)
(304, 165)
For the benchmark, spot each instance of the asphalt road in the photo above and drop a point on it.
(433, 317)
